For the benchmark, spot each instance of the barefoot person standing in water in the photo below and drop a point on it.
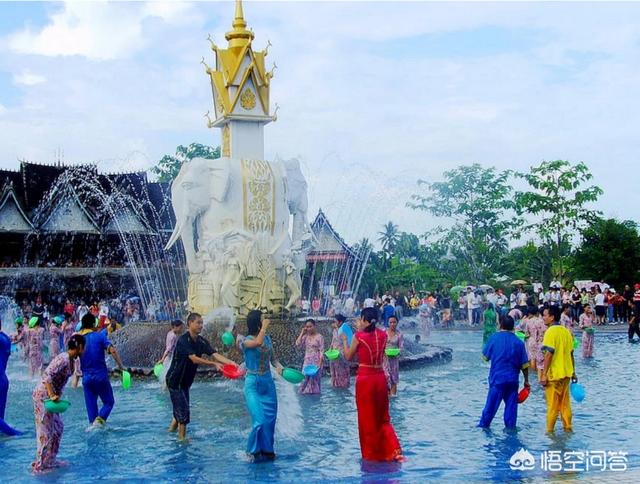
(378, 439)
(186, 358)
(508, 358)
(558, 370)
(49, 426)
(95, 374)
(259, 388)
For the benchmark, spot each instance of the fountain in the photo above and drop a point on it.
(242, 220)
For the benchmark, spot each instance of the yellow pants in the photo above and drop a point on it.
(558, 402)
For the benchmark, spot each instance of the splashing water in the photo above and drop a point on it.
(290, 422)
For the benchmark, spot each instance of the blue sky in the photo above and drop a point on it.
(372, 95)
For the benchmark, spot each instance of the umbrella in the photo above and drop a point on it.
(456, 288)
(519, 282)
(485, 287)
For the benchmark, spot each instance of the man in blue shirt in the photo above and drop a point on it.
(95, 375)
(508, 357)
(5, 352)
(388, 310)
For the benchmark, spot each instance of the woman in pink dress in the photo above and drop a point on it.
(35, 344)
(565, 317)
(313, 344)
(49, 426)
(54, 336)
(537, 328)
(586, 325)
(526, 326)
(391, 364)
(68, 328)
(339, 368)
(20, 337)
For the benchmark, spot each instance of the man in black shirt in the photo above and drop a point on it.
(187, 356)
(627, 307)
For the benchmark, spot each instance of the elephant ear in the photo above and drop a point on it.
(220, 172)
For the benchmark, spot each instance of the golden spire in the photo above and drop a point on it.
(239, 36)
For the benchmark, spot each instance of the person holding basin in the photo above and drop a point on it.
(259, 388)
(313, 343)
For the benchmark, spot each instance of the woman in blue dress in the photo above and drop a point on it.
(259, 388)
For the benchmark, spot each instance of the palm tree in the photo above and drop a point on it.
(363, 247)
(389, 238)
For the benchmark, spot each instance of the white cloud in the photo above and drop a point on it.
(26, 78)
(365, 104)
(97, 30)
(2, 109)
(173, 12)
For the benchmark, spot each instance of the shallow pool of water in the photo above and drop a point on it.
(435, 416)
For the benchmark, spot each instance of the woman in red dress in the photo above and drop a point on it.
(378, 440)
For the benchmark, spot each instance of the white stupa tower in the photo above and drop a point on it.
(242, 219)
(240, 87)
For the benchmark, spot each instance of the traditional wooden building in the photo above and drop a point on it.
(74, 229)
(333, 267)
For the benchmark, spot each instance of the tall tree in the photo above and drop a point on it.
(169, 165)
(530, 262)
(478, 202)
(407, 247)
(558, 202)
(609, 252)
(363, 246)
(389, 237)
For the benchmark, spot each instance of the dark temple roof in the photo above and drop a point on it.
(37, 189)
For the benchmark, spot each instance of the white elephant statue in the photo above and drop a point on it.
(231, 206)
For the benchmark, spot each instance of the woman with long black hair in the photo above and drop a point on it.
(259, 388)
(378, 440)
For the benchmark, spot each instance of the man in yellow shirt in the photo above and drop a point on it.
(558, 370)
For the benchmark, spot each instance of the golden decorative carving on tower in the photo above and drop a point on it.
(226, 141)
(248, 100)
(240, 78)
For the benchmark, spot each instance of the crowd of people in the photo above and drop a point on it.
(88, 345)
(123, 309)
(551, 355)
(535, 331)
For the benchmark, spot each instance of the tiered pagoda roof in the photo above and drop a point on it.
(330, 246)
(59, 198)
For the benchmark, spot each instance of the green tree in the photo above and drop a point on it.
(478, 202)
(610, 252)
(363, 247)
(557, 200)
(169, 165)
(389, 237)
(530, 262)
(407, 247)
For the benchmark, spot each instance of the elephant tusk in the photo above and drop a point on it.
(174, 236)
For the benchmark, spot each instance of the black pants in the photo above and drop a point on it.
(180, 402)
(634, 328)
(626, 311)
